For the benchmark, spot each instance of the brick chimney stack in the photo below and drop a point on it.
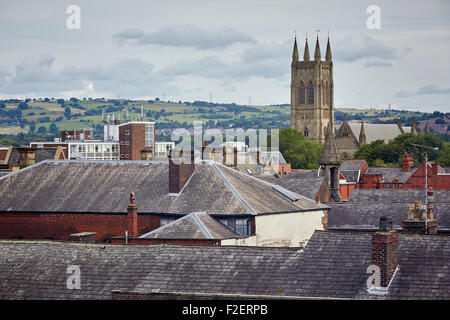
(385, 250)
(132, 217)
(27, 156)
(407, 162)
(180, 172)
(420, 217)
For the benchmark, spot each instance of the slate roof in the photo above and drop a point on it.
(305, 183)
(390, 173)
(196, 225)
(38, 270)
(365, 206)
(333, 264)
(351, 165)
(104, 186)
(374, 132)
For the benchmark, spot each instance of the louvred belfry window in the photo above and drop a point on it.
(310, 93)
(302, 93)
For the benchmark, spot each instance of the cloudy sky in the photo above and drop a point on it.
(232, 50)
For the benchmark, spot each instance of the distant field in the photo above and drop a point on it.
(13, 129)
(161, 112)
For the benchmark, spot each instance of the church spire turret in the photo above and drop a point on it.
(413, 127)
(295, 51)
(362, 135)
(306, 53)
(330, 154)
(317, 54)
(328, 53)
(427, 128)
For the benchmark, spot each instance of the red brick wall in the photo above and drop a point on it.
(59, 226)
(136, 139)
(186, 242)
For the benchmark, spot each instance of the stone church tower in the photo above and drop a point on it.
(312, 93)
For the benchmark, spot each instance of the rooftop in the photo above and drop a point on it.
(91, 186)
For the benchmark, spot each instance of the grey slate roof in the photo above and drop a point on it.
(365, 206)
(305, 183)
(104, 186)
(333, 264)
(351, 165)
(196, 225)
(390, 173)
(38, 270)
(374, 132)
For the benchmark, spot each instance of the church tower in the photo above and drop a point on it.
(312, 93)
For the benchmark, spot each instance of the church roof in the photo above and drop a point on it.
(374, 132)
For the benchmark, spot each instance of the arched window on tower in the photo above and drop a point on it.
(326, 90)
(310, 93)
(306, 132)
(302, 93)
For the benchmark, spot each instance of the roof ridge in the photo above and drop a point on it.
(201, 225)
(272, 185)
(233, 190)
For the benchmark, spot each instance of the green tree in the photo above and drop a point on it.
(23, 106)
(67, 113)
(297, 150)
(42, 130)
(53, 128)
(392, 152)
(444, 159)
(2, 105)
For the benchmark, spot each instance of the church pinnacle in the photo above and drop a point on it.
(317, 54)
(328, 53)
(295, 52)
(306, 53)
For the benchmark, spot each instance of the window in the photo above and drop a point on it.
(122, 143)
(310, 93)
(302, 93)
(306, 132)
(127, 132)
(127, 156)
(122, 155)
(240, 226)
(127, 143)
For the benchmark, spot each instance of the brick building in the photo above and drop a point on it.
(356, 174)
(92, 196)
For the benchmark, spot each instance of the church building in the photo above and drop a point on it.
(312, 89)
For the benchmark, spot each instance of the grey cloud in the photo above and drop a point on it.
(129, 77)
(213, 67)
(34, 68)
(377, 64)
(352, 49)
(184, 36)
(424, 90)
